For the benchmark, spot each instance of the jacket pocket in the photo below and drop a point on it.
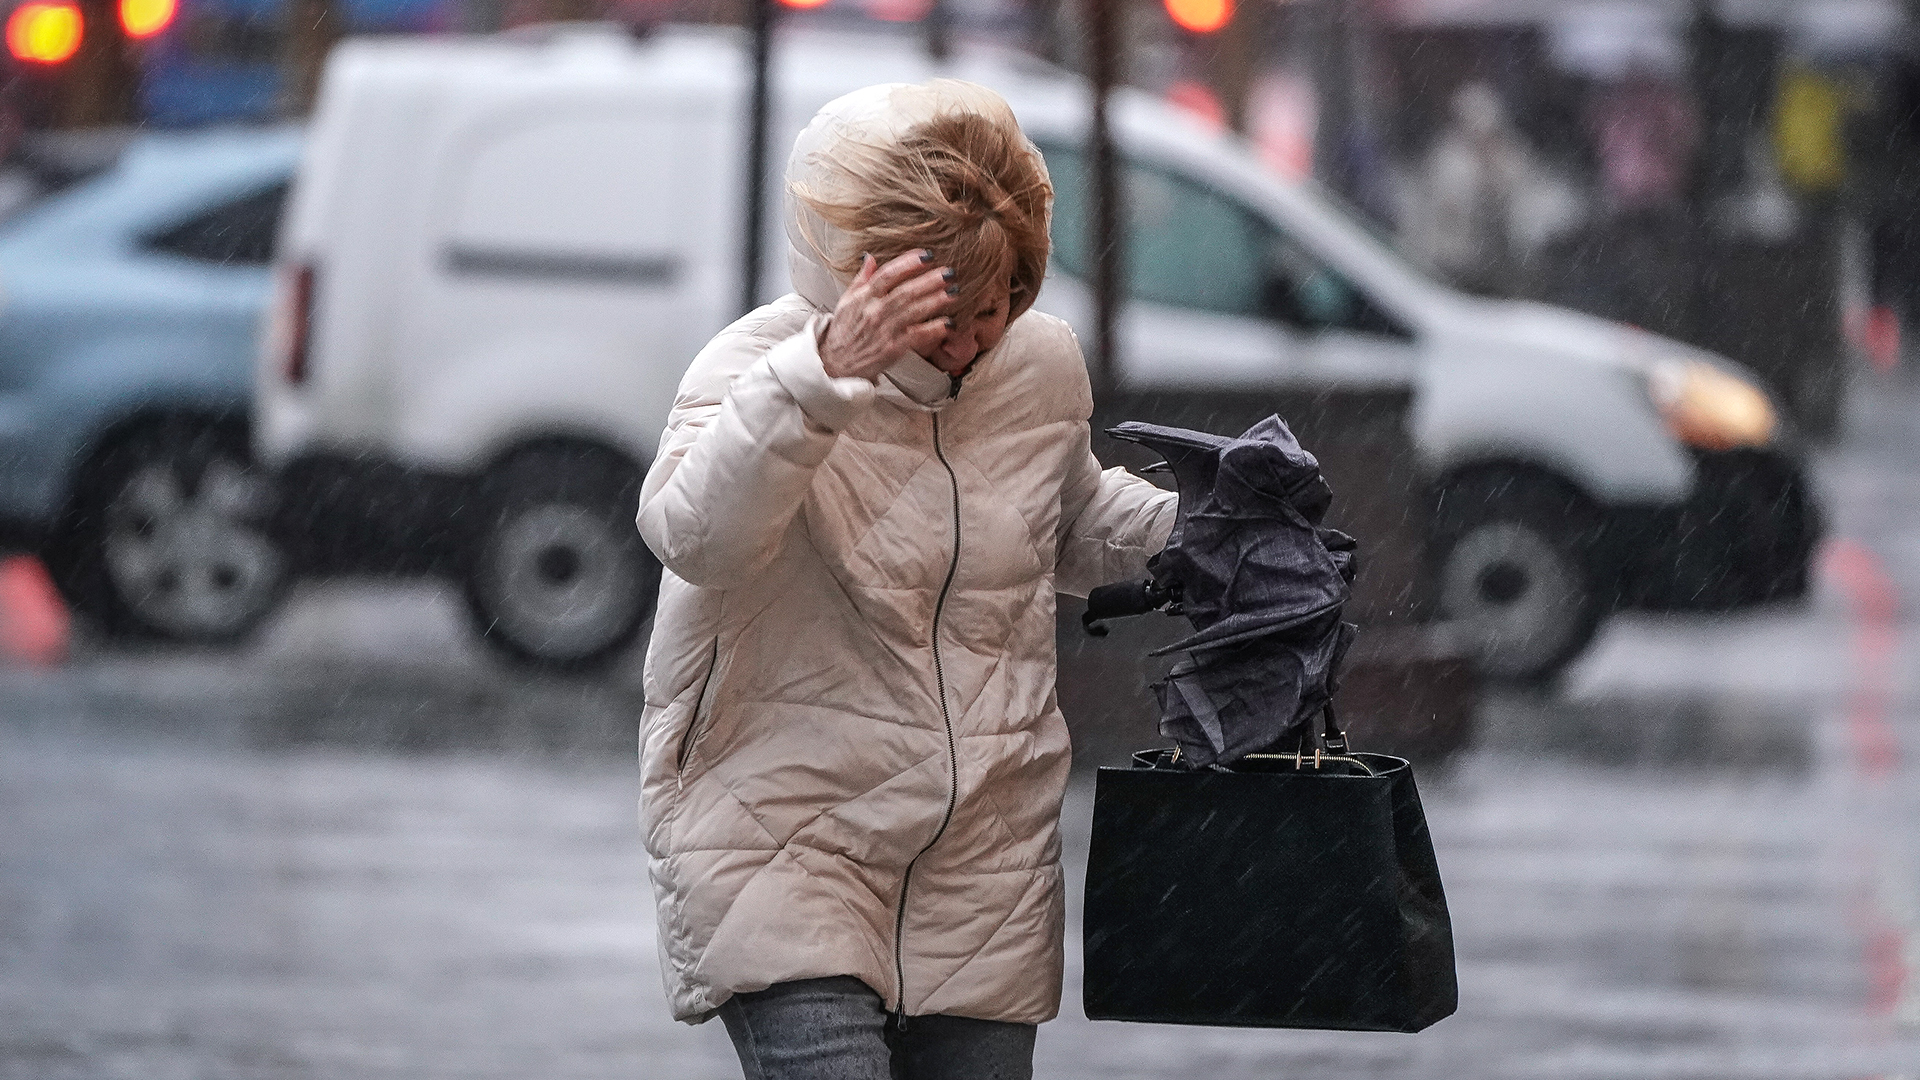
(702, 709)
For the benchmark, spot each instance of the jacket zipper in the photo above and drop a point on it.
(953, 756)
(699, 703)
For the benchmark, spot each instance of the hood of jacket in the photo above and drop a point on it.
(874, 116)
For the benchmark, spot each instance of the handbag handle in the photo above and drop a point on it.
(1332, 736)
(1330, 744)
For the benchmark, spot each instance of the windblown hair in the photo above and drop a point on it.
(967, 186)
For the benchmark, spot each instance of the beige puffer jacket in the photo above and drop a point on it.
(852, 759)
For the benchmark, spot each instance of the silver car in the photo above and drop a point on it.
(128, 307)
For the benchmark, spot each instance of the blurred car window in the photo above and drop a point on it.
(18, 191)
(1190, 246)
(1187, 246)
(1300, 289)
(237, 232)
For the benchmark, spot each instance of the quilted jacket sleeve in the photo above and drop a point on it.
(1111, 523)
(754, 418)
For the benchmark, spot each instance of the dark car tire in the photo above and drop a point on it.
(557, 576)
(1514, 571)
(166, 536)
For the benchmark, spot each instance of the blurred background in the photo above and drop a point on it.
(335, 336)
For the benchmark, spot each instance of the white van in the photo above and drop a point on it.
(500, 255)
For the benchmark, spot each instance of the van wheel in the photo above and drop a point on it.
(557, 575)
(167, 537)
(1515, 572)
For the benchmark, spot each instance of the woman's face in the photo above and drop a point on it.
(975, 331)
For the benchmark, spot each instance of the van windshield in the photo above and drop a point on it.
(1376, 230)
(1186, 246)
(1191, 246)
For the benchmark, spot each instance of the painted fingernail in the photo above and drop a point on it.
(864, 256)
(947, 273)
(953, 290)
(926, 256)
(949, 322)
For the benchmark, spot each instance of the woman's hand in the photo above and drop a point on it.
(887, 312)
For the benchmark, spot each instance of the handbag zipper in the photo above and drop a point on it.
(953, 756)
(699, 703)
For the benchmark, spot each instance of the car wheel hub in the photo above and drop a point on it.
(560, 582)
(558, 565)
(1502, 583)
(192, 562)
(1514, 594)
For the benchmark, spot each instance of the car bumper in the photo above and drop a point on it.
(1745, 535)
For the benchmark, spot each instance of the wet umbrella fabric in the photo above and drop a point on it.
(1262, 582)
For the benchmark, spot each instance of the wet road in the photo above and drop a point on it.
(361, 850)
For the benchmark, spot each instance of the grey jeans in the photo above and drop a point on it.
(838, 1029)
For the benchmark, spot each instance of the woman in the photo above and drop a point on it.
(867, 496)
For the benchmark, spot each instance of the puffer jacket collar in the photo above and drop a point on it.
(922, 385)
(913, 382)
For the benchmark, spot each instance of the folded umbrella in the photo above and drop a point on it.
(1260, 579)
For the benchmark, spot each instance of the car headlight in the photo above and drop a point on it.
(1710, 408)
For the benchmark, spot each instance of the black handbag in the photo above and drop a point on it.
(1294, 890)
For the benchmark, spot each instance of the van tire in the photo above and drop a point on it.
(167, 536)
(1514, 571)
(556, 575)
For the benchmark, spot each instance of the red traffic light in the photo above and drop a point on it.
(1200, 16)
(803, 4)
(44, 33)
(145, 18)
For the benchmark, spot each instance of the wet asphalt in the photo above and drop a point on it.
(360, 848)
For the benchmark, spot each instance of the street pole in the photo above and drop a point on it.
(483, 16)
(939, 26)
(1239, 45)
(1333, 75)
(1105, 256)
(1719, 165)
(313, 28)
(1043, 30)
(100, 84)
(760, 31)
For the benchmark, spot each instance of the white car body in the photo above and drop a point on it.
(431, 346)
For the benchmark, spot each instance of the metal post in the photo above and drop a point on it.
(313, 27)
(939, 27)
(1237, 60)
(1044, 30)
(1333, 78)
(483, 16)
(760, 30)
(1719, 164)
(100, 84)
(1106, 252)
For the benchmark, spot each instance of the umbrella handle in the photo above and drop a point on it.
(1118, 601)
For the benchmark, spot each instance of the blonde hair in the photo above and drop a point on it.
(963, 184)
